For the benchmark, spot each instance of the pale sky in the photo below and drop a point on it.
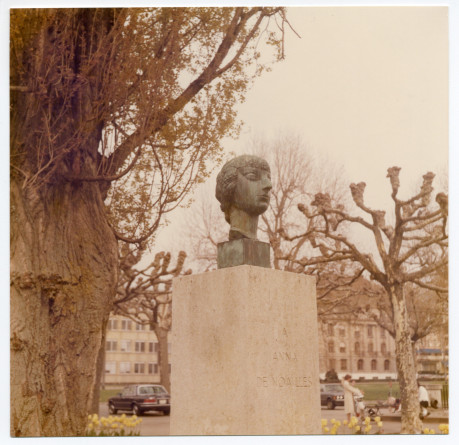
(366, 87)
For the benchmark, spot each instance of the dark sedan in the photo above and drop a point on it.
(141, 398)
(331, 395)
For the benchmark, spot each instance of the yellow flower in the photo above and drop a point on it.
(444, 428)
(368, 428)
(367, 420)
(432, 431)
(114, 425)
(377, 419)
(90, 426)
(354, 419)
(324, 422)
(357, 428)
(379, 424)
(425, 430)
(333, 420)
(333, 431)
(326, 429)
(344, 422)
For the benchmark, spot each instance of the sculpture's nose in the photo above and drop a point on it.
(267, 185)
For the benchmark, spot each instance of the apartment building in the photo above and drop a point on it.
(131, 353)
(357, 346)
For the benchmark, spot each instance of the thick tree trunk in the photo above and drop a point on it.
(100, 374)
(63, 273)
(163, 357)
(406, 366)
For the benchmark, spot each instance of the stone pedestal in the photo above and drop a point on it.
(245, 353)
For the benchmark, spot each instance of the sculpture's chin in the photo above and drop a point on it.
(261, 207)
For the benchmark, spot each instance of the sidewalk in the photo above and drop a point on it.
(436, 416)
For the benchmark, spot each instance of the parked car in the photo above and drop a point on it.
(331, 395)
(141, 398)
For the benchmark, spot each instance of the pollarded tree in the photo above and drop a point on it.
(419, 231)
(97, 95)
(144, 295)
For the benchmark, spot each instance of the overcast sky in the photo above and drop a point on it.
(366, 87)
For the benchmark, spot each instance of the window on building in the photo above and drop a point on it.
(370, 331)
(139, 346)
(343, 363)
(125, 345)
(110, 345)
(140, 327)
(330, 329)
(383, 348)
(110, 367)
(383, 332)
(342, 332)
(370, 348)
(126, 325)
(386, 365)
(139, 368)
(373, 365)
(125, 367)
(151, 346)
(357, 347)
(332, 363)
(357, 334)
(331, 346)
(360, 365)
(112, 324)
(342, 347)
(152, 368)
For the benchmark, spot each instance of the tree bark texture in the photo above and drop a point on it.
(163, 357)
(63, 273)
(406, 366)
(100, 371)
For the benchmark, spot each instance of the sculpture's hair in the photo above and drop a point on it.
(227, 179)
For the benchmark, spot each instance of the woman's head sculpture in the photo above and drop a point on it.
(243, 189)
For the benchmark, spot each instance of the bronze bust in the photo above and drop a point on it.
(243, 190)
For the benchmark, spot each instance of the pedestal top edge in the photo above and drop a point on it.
(246, 269)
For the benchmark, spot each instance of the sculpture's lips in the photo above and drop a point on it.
(264, 197)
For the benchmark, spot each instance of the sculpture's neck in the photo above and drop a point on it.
(242, 223)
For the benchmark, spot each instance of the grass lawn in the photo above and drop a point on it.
(378, 390)
(105, 394)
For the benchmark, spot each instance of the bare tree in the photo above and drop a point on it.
(144, 295)
(419, 232)
(103, 99)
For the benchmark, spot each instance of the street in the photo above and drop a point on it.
(157, 424)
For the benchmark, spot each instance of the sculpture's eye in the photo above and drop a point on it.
(251, 174)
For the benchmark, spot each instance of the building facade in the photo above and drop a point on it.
(356, 346)
(131, 353)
